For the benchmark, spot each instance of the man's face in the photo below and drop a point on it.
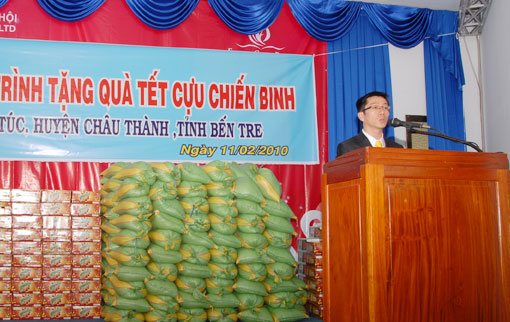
(375, 117)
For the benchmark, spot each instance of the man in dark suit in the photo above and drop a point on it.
(373, 111)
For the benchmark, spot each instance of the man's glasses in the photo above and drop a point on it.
(378, 108)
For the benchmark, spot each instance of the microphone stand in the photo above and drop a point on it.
(444, 136)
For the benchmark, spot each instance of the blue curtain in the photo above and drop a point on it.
(70, 11)
(2, 2)
(162, 14)
(358, 63)
(247, 17)
(444, 78)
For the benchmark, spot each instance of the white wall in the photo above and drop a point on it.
(496, 77)
(408, 85)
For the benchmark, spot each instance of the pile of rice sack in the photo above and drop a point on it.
(184, 242)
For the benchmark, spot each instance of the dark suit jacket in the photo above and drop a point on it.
(360, 141)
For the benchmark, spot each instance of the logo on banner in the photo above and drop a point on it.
(8, 21)
(259, 41)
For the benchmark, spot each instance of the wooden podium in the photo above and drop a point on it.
(416, 235)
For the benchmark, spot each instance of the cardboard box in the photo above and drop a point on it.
(85, 209)
(57, 273)
(56, 286)
(5, 259)
(6, 247)
(86, 247)
(5, 272)
(5, 286)
(21, 195)
(86, 222)
(89, 286)
(87, 260)
(25, 208)
(87, 299)
(57, 247)
(57, 260)
(27, 221)
(56, 208)
(5, 195)
(86, 196)
(26, 312)
(5, 312)
(57, 299)
(28, 286)
(34, 260)
(87, 312)
(26, 273)
(26, 234)
(86, 273)
(56, 235)
(5, 298)
(56, 196)
(86, 234)
(56, 222)
(5, 221)
(26, 299)
(57, 312)
(5, 234)
(5, 208)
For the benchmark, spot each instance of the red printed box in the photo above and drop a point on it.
(88, 260)
(26, 286)
(25, 299)
(54, 299)
(56, 196)
(86, 247)
(87, 299)
(87, 312)
(55, 208)
(57, 260)
(86, 273)
(25, 195)
(86, 196)
(86, 222)
(60, 247)
(56, 222)
(5, 286)
(5, 299)
(5, 259)
(56, 235)
(5, 313)
(57, 273)
(314, 285)
(316, 298)
(25, 208)
(85, 209)
(5, 195)
(313, 260)
(27, 221)
(5, 234)
(56, 286)
(314, 246)
(6, 247)
(5, 208)
(27, 247)
(26, 273)
(86, 234)
(5, 221)
(58, 312)
(5, 272)
(314, 273)
(20, 234)
(27, 260)
(26, 312)
(86, 286)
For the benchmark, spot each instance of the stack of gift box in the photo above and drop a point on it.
(50, 254)
(310, 269)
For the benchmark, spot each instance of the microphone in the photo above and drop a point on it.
(395, 122)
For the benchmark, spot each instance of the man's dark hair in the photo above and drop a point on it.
(362, 101)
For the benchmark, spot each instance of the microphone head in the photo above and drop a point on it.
(395, 122)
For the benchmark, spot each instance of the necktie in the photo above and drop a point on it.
(378, 144)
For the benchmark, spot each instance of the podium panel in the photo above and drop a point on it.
(414, 235)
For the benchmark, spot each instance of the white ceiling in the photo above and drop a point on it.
(432, 4)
